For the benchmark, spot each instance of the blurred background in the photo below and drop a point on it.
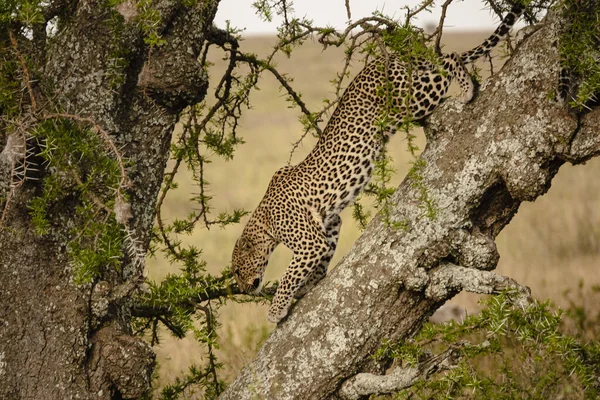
(552, 245)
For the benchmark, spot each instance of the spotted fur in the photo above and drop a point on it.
(302, 204)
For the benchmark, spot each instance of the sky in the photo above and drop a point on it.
(462, 14)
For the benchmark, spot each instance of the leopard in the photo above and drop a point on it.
(302, 204)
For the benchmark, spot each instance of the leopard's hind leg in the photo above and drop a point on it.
(332, 233)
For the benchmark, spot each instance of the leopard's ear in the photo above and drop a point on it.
(244, 244)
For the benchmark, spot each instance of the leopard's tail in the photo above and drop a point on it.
(500, 32)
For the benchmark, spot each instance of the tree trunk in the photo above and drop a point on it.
(59, 340)
(481, 161)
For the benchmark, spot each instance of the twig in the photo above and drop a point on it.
(154, 310)
(154, 341)
(251, 59)
(364, 23)
(210, 331)
(169, 177)
(410, 14)
(92, 196)
(440, 27)
(104, 135)
(178, 332)
(26, 76)
(491, 62)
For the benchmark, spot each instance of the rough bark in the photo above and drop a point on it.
(58, 340)
(482, 160)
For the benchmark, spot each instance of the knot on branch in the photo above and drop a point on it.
(173, 79)
(416, 280)
(586, 142)
(120, 364)
(221, 38)
(106, 300)
(476, 250)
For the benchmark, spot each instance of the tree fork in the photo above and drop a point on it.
(481, 161)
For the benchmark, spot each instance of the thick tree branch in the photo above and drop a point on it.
(59, 339)
(481, 161)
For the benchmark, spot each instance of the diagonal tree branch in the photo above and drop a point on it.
(481, 162)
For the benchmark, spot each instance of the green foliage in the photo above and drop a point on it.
(359, 214)
(197, 379)
(579, 47)
(409, 43)
(9, 84)
(379, 188)
(22, 12)
(263, 10)
(98, 246)
(177, 291)
(67, 155)
(81, 168)
(119, 55)
(521, 353)
(149, 21)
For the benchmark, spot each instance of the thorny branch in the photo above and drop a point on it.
(17, 153)
(20, 162)
(150, 310)
(438, 31)
(366, 384)
(108, 142)
(168, 181)
(410, 14)
(25, 71)
(252, 60)
(210, 326)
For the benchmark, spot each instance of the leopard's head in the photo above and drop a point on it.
(249, 261)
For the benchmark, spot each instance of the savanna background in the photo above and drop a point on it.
(552, 245)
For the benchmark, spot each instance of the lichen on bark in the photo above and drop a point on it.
(59, 339)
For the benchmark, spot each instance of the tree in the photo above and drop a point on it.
(89, 102)
(90, 93)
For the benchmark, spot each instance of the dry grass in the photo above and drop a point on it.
(551, 245)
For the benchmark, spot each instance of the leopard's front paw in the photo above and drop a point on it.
(467, 95)
(276, 313)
